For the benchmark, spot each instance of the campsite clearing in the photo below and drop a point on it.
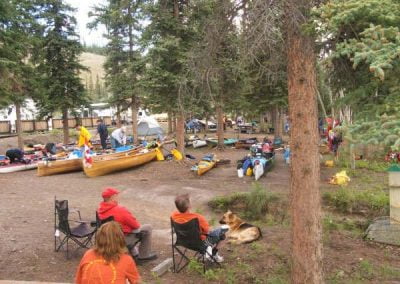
(26, 207)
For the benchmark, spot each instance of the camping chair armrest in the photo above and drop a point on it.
(82, 221)
(137, 233)
(75, 210)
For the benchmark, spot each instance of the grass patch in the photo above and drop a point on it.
(258, 204)
(355, 227)
(375, 166)
(371, 203)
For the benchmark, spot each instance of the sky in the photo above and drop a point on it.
(86, 35)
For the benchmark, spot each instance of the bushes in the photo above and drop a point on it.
(372, 203)
(255, 204)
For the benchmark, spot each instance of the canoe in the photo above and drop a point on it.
(61, 166)
(207, 163)
(47, 168)
(227, 142)
(16, 167)
(105, 164)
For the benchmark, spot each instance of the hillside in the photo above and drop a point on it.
(95, 63)
(96, 72)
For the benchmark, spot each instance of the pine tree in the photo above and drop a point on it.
(166, 81)
(305, 173)
(17, 38)
(59, 63)
(123, 64)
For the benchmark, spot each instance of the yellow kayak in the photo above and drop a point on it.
(207, 163)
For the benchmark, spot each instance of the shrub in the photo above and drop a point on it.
(254, 205)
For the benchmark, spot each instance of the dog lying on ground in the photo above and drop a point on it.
(240, 232)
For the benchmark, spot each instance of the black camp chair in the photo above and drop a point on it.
(187, 235)
(100, 222)
(81, 234)
(137, 235)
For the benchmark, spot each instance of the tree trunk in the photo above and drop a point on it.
(173, 122)
(180, 132)
(262, 123)
(322, 104)
(277, 122)
(305, 199)
(206, 126)
(220, 127)
(134, 109)
(118, 116)
(331, 102)
(18, 126)
(169, 123)
(65, 126)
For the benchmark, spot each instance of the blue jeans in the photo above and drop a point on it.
(215, 236)
(115, 143)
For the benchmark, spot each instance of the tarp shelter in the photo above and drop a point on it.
(149, 126)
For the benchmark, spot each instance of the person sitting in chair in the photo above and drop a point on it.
(130, 226)
(212, 239)
(108, 261)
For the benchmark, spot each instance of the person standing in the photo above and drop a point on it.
(84, 136)
(118, 137)
(103, 133)
(108, 261)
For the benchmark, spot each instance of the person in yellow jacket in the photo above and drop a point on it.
(84, 136)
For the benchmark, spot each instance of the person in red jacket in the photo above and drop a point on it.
(129, 224)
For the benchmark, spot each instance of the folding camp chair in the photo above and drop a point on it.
(100, 222)
(138, 235)
(81, 234)
(187, 235)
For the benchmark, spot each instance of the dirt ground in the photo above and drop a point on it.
(27, 218)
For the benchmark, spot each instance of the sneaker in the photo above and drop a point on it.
(218, 258)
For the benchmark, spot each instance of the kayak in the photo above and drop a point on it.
(245, 143)
(199, 143)
(259, 165)
(207, 163)
(16, 167)
(7, 167)
(227, 141)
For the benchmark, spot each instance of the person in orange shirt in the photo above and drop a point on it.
(213, 239)
(108, 262)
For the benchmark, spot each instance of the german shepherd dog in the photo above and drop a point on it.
(239, 232)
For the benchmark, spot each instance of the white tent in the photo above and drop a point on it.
(149, 126)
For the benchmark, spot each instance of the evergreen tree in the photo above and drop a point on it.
(18, 31)
(169, 37)
(59, 62)
(123, 64)
(361, 39)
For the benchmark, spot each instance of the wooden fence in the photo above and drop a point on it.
(5, 127)
(43, 125)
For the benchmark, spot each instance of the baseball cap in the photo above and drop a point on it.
(108, 192)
